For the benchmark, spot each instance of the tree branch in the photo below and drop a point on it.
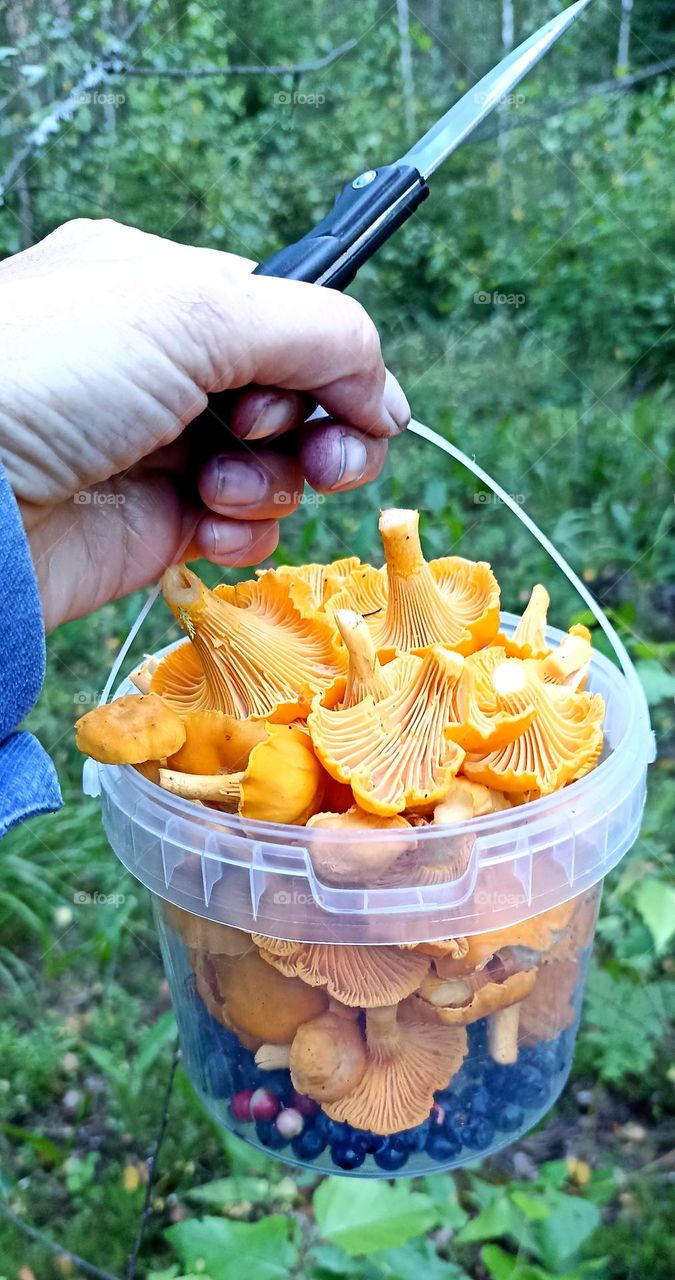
(201, 73)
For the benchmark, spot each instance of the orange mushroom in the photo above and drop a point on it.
(361, 860)
(392, 750)
(261, 1001)
(411, 1055)
(142, 676)
(320, 580)
(478, 722)
(258, 655)
(568, 664)
(360, 977)
(452, 601)
(328, 1055)
(562, 743)
(200, 934)
(549, 1008)
(520, 945)
(130, 730)
(216, 743)
(283, 780)
(465, 800)
(529, 637)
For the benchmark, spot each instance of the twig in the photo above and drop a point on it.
(152, 1168)
(66, 109)
(261, 69)
(41, 1238)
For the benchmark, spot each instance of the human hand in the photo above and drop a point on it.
(110, 340)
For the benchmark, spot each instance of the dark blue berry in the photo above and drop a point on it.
(278, 1082)
(347, 1155)
(443, 1146)
(309, 1144)
(269, 1135)
(369, 1142)
(414, 1139)
(478, 1102)
(510, 1117)
(477, 1032)
(478, 1134)
(531, 1086)
(391, 1157)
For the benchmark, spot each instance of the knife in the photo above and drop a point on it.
(377, 202)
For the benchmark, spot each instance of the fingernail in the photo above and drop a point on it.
(239, 483)
(396, 409)
(353, 461)
(230, 538)
(276, 415)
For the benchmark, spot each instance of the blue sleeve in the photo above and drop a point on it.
(28, 782)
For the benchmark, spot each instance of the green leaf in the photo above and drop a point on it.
(225, 1191)
(416, 1259)
(218, 1248)
(500, 1218)
(570, 1222)
(153, 1041)
(657, 682)
(442, 1189)
(655, 901)
(379, 1216)
(532, 1206)
(45, 1148)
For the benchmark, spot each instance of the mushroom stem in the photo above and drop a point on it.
(273, 1057)
(503, 1034)
(142, 676)
(225, 788)
(382, 1032)
(399, 530)
(364, 675)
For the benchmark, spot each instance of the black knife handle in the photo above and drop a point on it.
(366, 212)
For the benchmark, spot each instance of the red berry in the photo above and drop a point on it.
(240, 1105)
(289, 1122)
(302, 1103)
(264, 1104)
(437, 1114)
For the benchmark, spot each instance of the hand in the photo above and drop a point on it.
(110, 340)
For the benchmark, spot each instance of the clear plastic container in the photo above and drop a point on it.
(446, 990)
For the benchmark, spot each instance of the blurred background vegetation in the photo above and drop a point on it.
(528, 310)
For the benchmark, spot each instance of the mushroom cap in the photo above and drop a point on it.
(479, 723)
(452, 601)
(206, 983)
(455, 947)
(360, 977)
(200, 934)
(548, 1009)
(264, 1003)
(529, 637)
(259, 656)
(485, 1000)
(465, 800)
(359, 861)
(328, 1056)
(320, 580)
(283, 780)
(179, 679)
(394, 753)
(562, 743)
(410, 1056)
(535, 935)
(130, 730)
(568, 664)
(364, 590)
(216, 743)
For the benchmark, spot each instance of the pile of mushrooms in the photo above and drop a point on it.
(374, 702)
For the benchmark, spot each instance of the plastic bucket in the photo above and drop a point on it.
(518, 889)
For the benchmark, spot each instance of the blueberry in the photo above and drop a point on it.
(478, 1134)
(511, 1117)
(477, 1032)
(278, 1082)
(500, 1082)
(391, 1157)
(414, 1139)
(531, 1085)
(347, 1155)
(369, 1142)
(218, 1076)
(309, 1144)
(478, 1102)
(269, 1135)
(443, 1146)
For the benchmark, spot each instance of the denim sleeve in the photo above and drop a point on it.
(28, 782)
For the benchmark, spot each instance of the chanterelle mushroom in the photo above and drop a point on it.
(478, 721)
(259, 656)
(200, 934)
(282, 782)
(393, 750)
(529, 637)
(130, 730)
(549, 1008)
(410, 1055)
(317, 582)
(262, 1001)
(216, 743)
(563, 742)
(360, 977)
(451, 601)
(328, 1055)
(361, 860)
